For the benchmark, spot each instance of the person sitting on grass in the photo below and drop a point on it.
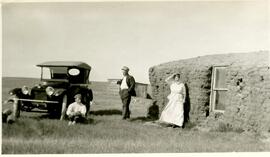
(76, 111)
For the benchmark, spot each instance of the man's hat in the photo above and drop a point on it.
(125, 68)
(78, 96)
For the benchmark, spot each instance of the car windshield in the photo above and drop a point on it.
(55, 73)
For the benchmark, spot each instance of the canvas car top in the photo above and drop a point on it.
(65, 64)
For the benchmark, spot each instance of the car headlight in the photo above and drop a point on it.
(25, 90)
(49, 91)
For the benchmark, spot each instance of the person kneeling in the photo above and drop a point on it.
(76, 111)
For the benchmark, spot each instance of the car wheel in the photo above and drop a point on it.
(89, 100)
(64, 107)
(10, 119)
(16, 107)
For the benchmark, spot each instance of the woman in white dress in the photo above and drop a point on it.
(173, 113)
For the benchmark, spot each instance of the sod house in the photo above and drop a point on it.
(228, 89)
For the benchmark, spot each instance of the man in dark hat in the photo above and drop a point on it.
(127, 89)
(76, 111)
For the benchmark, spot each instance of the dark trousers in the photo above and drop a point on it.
(77, 118)
(126, 98)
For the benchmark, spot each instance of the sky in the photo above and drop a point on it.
(109, 35)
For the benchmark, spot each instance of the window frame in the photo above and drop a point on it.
(214, 89)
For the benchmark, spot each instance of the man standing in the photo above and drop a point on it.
(127, 89)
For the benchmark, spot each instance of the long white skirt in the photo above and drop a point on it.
(173, 112)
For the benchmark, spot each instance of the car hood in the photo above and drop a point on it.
(55, 84)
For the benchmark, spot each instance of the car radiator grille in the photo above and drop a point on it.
(40, 95)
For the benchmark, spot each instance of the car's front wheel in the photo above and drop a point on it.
(64, 107)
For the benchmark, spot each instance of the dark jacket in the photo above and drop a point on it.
(131, 84)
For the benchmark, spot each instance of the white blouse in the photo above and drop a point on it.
(76, 107)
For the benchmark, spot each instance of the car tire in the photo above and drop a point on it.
(89, 100)
(10, 119)
(16, 107)
(64, 107)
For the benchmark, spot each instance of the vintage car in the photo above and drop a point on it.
(60, 82)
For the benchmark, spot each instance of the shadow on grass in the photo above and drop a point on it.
(141, 119)
(186, 126)
(106, 112)
(48, 116)
(189, 125)
(89, 121)
(42, 116)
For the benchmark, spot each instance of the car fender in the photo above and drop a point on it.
(88, 93)
(59, 92)
(11, 99)
(15, 91)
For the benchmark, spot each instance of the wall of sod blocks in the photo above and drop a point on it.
(247, 80)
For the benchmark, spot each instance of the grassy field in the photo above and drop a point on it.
(105, 132)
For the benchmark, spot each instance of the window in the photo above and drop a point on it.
(73, 72)
(45, 73)
(59, 72)
(218, 89)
